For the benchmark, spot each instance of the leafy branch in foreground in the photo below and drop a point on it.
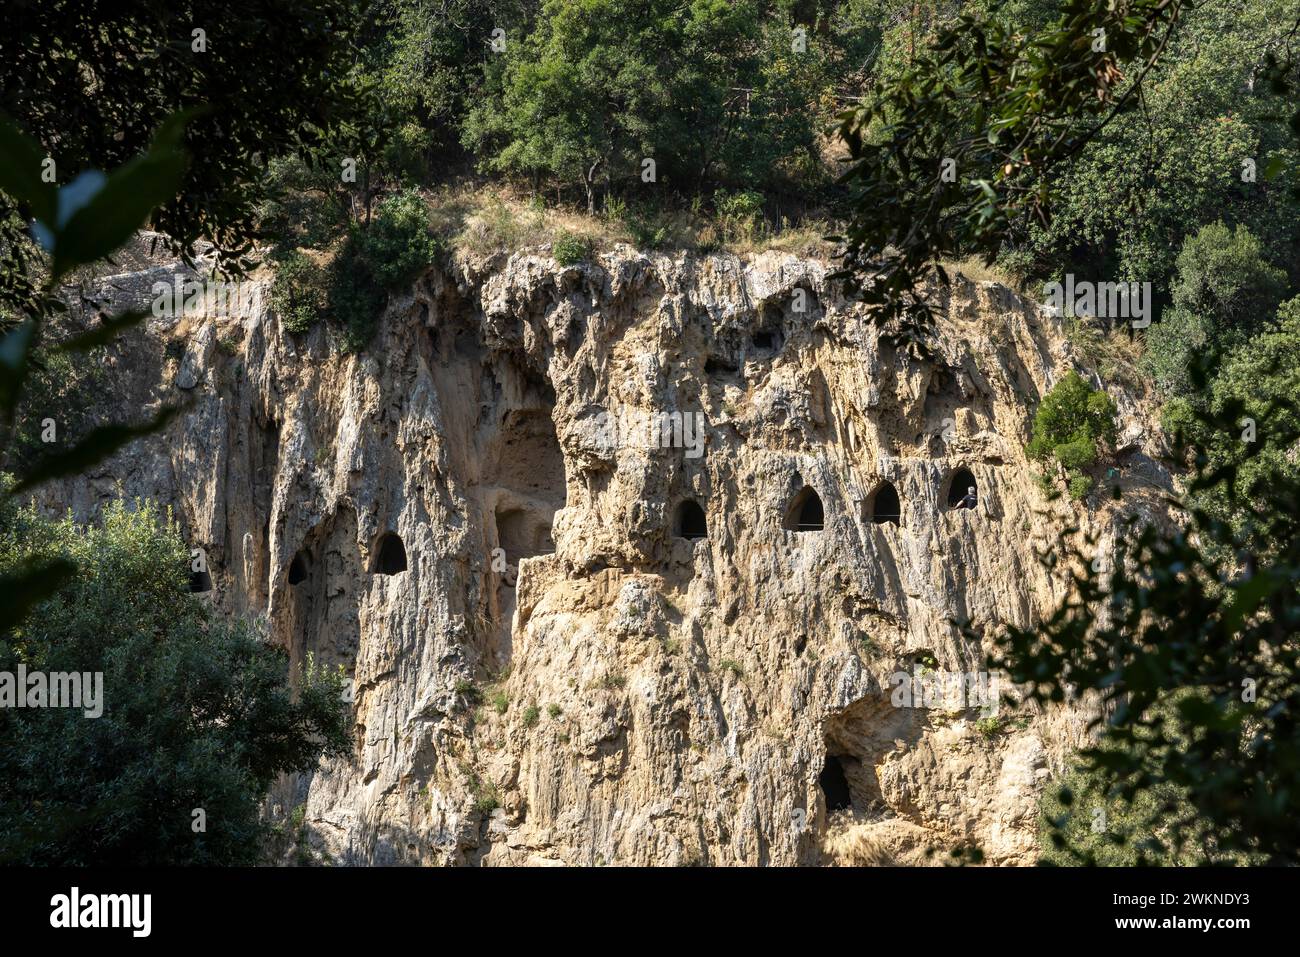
(80, 223)
(956, 154)
(1190, 639)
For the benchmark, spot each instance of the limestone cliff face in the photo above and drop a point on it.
(545, 669)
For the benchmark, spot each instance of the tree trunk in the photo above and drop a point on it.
(590, 184)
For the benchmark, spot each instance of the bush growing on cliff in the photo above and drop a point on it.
(569, 250)
(299, 292)
(197, 713)
(373, 261)
(1071, 426)
(399, 243)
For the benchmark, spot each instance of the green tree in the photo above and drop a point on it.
(197, 713)
(1205, 145)
(427, 58)
(91, 81)
(601, 86)
(1223, 292)
(1259, 381)
(1072, 425)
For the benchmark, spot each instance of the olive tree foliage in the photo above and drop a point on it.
(77, 224)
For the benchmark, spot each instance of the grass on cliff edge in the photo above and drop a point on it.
(483, 221)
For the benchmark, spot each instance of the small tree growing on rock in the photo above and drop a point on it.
(1073, 424)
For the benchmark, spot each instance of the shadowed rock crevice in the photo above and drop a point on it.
(690, 522)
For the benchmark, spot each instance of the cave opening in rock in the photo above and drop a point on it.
(691, 523)
(200, 581)
(390, 554)
(806, 513)
(298, 569)
(527, 458)
(884, 507)
(835, 785)
(961, 489)
(522, 533)
(719, 366)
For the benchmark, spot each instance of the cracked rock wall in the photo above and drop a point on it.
(557, 676)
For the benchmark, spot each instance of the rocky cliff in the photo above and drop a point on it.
(555, 658)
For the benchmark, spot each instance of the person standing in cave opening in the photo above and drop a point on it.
(968, 500)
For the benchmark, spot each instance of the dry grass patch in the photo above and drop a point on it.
(488, 220)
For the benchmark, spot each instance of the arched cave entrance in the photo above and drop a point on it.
(691, 523)
(298, 569)
(390, 555)
(806, 513)
(884, 507)
(835, 785)
(961, 484)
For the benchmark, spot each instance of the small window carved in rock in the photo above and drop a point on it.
(961, 490)
(884, 508)
(806, 513)
(390, 555)
(691, 523)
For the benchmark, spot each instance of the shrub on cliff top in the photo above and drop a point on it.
(399, 242)
(298, 294)
(569, 250)
(375, 260)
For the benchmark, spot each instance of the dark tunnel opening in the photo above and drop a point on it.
(835, 786)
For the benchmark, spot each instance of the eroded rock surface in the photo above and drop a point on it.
(544, 670)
